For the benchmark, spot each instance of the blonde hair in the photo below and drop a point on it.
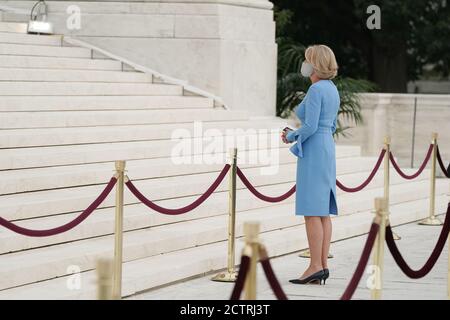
(323, 61)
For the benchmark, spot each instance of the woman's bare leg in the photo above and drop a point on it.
(314, 231)
(327, 230)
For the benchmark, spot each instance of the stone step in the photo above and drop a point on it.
(13, 27)
(85, 154)
(51, 40)
(138, 216)
(61, 75)
(49, 119)
(105, 152)
(44, 203)
(79, 103)
(15, 17)
(19, 181)
(149, 272)
(18, 138)
(59, 63)
(67, 119)
(49, 202)
(23, 88)
(44, 51)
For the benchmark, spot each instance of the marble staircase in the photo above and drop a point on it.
(67, 113)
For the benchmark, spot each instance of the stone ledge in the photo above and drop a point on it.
(370, 100)
(149, 6)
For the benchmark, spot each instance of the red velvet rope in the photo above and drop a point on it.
(441, 163)
(292, 190)
(273, 281)
(260, 195)
(415, 175)
(184, 209)
(369, 178)
(422, 272)
(66, 227)
(357, 275)
(242, 275)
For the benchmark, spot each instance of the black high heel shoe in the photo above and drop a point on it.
(315, 277)
(326, 275)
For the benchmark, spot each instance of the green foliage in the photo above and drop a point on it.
(413, 32)
(424, 25)
(292, 87)
(350, 108)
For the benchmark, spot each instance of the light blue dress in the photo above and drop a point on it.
(315, 149)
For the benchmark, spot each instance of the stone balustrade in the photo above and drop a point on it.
(393, 114)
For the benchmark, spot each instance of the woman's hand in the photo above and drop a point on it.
(283, 136)
(284, 133)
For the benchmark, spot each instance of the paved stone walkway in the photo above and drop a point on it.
(416, 244)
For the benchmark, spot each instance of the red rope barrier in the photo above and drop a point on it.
(356, 278)
(184, 209)
(66, 227)
(242, 275)
(369, 178)
(292, 190)
(272, 279)
(441, 164)
(416, 274)
(260, 195)
(268, 271)
(415, 175)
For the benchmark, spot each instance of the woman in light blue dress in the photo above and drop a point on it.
(316, 163)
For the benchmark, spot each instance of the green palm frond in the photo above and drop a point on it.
(291, 57)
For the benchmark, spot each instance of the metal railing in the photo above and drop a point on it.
(218, 102)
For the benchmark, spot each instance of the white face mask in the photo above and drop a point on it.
(307, 69)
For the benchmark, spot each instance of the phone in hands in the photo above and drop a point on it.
(285, 131)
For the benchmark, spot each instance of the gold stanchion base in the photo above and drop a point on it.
(431, 221)
(307, 254)
(225, 277)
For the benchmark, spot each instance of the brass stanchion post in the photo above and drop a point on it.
(386, 169)
(448, 269)
(387, 147)
(378, 249)
(251, 232)
(118, 240)
(230, 274)
(432, 220)
(104, 279)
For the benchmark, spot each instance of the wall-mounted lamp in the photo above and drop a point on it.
(38, 17)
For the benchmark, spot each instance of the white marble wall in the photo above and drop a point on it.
(392, 114)
(226, 47)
